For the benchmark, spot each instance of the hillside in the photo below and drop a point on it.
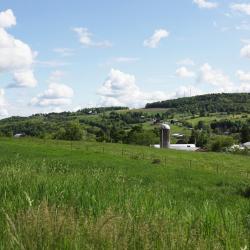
(211, 103)
(193, 120)
(111, 196)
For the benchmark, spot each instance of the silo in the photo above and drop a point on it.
(165, 136)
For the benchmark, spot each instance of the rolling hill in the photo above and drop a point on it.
(211, 103)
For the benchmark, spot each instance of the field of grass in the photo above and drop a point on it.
(208, 119)
(63, 195)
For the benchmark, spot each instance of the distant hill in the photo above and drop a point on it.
(212, 103)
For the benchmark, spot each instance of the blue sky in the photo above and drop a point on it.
(65, 55)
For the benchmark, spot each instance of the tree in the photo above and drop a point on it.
(199, 137)
(245, 133)
(73, 131)
(221, 143)
(60, 134)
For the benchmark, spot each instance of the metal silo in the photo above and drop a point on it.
(165, 136)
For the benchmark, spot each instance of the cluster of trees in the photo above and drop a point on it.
(71, 132)
(211, 103)
(111, 125)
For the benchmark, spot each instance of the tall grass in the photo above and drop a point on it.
(55, 198)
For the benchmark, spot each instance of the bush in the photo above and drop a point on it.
(221, 143)
(72, 132)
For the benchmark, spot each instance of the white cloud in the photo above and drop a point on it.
(57, 94)
(120, 89)
(15, 56)
(64, 52)
(245, 51)
(244, 87)
(184, 72)
(23, 78)
(205, 4)
(186, 62)
(3, 110)
(215, 78)
(241, 7)
(7, 19)
(85, 38)
(243, 76)
(155, 39)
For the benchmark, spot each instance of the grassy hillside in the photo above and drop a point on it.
(63, 195)
(214, 122)
(211, 103)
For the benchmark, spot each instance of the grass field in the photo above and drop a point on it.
(62, 195)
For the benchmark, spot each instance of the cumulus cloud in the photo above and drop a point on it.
(7, 19)
(215, 78)
(120, 89)
(241, 7)
(23, 78)
(3, 110)
(155, 39)
(205, 4)
(86, 40)
(56, 95)
(244, 87)
(16, 57)
(245, 51)
(183, 72)
(243, 76)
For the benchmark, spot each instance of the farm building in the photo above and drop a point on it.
(165, 141)
(246, 145)
(19, 135)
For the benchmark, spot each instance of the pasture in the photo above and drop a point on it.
(63, 195)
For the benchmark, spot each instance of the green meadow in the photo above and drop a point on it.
(63, 195)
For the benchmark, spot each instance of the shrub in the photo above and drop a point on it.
(221, 143)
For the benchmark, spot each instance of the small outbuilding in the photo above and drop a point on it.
(19, 135)
(246, 145)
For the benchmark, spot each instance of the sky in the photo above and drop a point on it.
(66, 55)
